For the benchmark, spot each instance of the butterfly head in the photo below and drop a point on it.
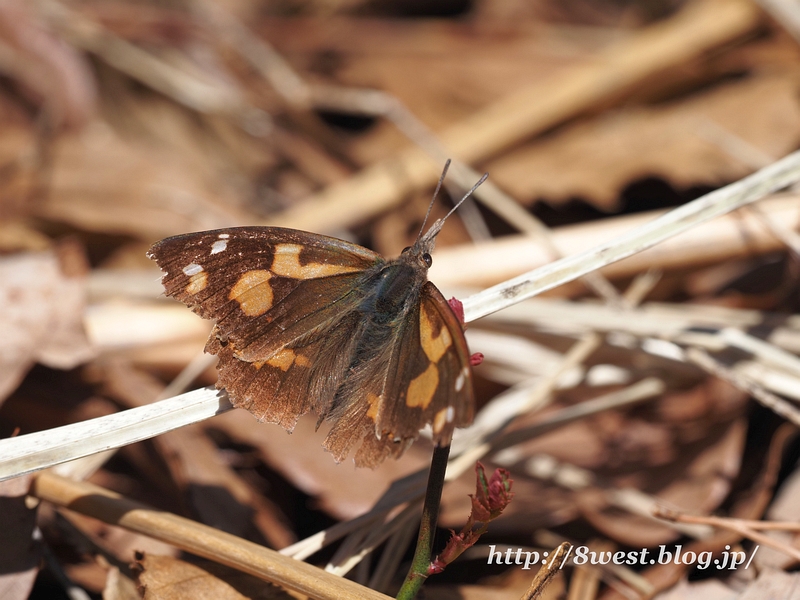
(423, 247)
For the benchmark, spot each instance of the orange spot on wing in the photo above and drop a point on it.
(197, 283)
(283, 359)
(253, 292)
(423, 387)
(440, 419)
(374, 401)
(435, 344)
(286, 263)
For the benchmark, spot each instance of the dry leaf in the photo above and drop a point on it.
(166, 578)
(679, 141)
(42, 300)
(699, 590)
(102, 182)
(697, 481)
(341, 490)
(51, 72)
(772, 584)
(442, 71)
(119, 587)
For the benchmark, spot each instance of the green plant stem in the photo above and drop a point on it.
(418, 572)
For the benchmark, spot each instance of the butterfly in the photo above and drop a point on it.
(306, 322)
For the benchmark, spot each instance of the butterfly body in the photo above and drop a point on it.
(306, 322)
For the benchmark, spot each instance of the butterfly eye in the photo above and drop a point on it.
(426, 258)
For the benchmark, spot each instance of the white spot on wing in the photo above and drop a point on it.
(450, 414)
(192, 269)
(223, 236)
(219, 246)
(462, 377)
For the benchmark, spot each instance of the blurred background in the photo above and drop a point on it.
(123, 122)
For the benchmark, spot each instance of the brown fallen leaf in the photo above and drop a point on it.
(103, 182)
(50, 72)
(167, 578)
(772, 583)
(678, 141)
(699, 590)
(341, 490)
(120, 587)
(699, 479)
(42, 300)
(748, 506)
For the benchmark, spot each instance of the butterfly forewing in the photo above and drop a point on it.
(242, 272)
(268, 289)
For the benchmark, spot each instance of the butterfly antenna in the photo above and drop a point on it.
(435, 193)
(467, 195)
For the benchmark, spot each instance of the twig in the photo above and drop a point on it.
(642, 390)
(546, 573)
(420, 564)
(407, 489)
(768, 353)
(778, 405)
(355, 548)
(719, 202)
(735, 525)
(198, 539)
(784, 12)
(35, 451)
(738, 235)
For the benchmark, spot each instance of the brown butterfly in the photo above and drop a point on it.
(308, 322)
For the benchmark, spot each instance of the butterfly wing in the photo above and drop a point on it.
(283, 302)
(291, 337)
(424, 377)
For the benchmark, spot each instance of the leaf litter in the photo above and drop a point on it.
(133, 121)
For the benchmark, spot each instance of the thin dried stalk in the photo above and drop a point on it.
(198, 539)
(777, 405)
(733, 236)
(35, 451)
(547, 572)
(736, 525)
(719, 202)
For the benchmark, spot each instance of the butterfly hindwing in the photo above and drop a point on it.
(422, 377)
(292, 381)
(430, 378)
